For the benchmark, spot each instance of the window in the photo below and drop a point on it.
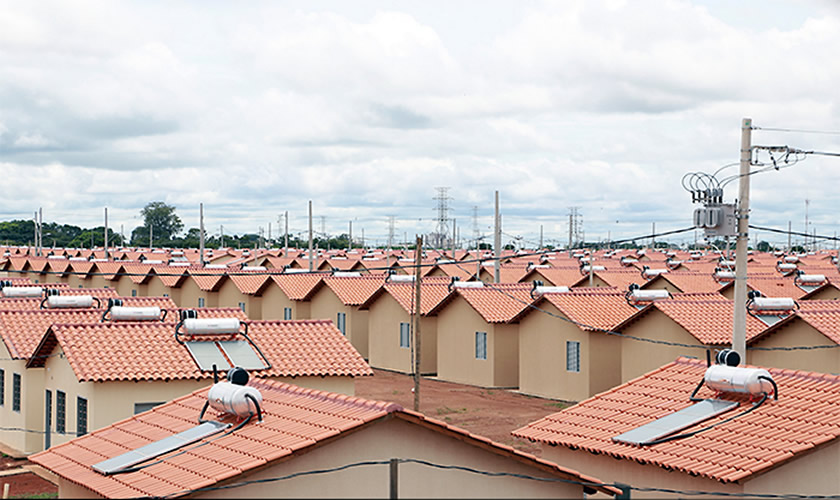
(143, 407)
(405, 335)
(105, 286)
(80, 286)
(134, 292)
(2, 387)
(60, 412)
(166, 295)
(201, 302)
(480, 345)
(81, 416)
(287, 313)
(16, 392)
(572, 356)
(242, 306)
(341, 322)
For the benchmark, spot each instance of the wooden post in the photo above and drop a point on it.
(394, 482)
(418, 253)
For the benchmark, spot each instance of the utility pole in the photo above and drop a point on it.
(789, 230)
(40, 231)
(739, 321)
(286, 238)
(454, 233)
(653, 235)
(201, 234)
(541, 236)
(497, 242)
(150, 234)
(418, 253)
(363, 238)
(35, 235)
(350, 238)
(269, 234)
(311, 264)
(122, 236)
(222, 233)
(106, 232)
(807, 202)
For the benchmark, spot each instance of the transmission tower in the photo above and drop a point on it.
(575, 227)
(442, 229)
(391, 227)
(476, 232)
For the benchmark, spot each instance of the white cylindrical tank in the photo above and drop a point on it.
(773, 304)
(347, 274)
(586, 268)
(69, 301)
(727, 263)
(120, 313)
(467, 284)
(230, 398)
(654, 272)
(791, 258)
(785, 266)
(811, 278)
(550, 289)
(199, 326)
(738, 379)
(22, 291)
(725, 275)
(254, 268)
(642, 295)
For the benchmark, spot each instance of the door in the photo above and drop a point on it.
(48, 420)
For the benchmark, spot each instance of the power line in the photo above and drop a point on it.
(798, 130)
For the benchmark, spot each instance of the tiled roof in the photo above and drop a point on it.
(108, 270)
(298, 286)
(294, 420)
(137, 272)
(354, 291)
(803, 418)
(171, 277)
(148, 351)
(593, 309)
(431, 294)
(688, 281)
(208, 280)
(822, 315)
(249, 283)
(22, 330)
(707, 318)
(496, 303)
(555, 276)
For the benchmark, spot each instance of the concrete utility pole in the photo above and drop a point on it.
(653, 235)
(541, 236)
(311, 264)
(739, 321)
(350, 237)
(497, 243)
(201, 234)
(106, 232)
(790, 223)
(35, 234)
(150, 235)
(286, 238)
(454, 233)
(418, 254)
(222, 236)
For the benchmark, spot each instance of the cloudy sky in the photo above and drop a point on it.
(365, 107)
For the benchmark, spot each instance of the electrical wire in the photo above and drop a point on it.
(798, 130)
(486, 473)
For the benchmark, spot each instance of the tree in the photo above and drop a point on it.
(163, 220)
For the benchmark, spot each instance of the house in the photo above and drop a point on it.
(201, 288)
(565, 351)
(683, 325)
(21, 329)
(478, 333)
(371, 449)
(391, 324)
(812, 323)
(108, 371)
(340, 300)
(758, 445)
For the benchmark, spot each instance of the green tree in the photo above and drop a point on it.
(163, 220)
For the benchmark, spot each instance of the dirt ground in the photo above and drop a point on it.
(25, 484)
(493, 413)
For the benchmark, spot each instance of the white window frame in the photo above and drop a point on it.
(287, 314)
(341, 323)
(201, 302)
(480, 345)
(405, 335)
(573, 356)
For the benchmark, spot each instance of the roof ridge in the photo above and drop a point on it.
(388, 407)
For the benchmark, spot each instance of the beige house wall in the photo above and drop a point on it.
(797, 333)
(77, 281)
(228, 295)
(99, 281)
(394, 438)
(611, 470)
(458, 324)
(31, 414)
(274, 301)
(542, 357)
(829, 293)
(812, 474)
(325, 304)
(660, 283)
(190, 293)
(384, 320)
(639, 357)
(124, 286)
(596, 282)
(604, 354)
(156, 288)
